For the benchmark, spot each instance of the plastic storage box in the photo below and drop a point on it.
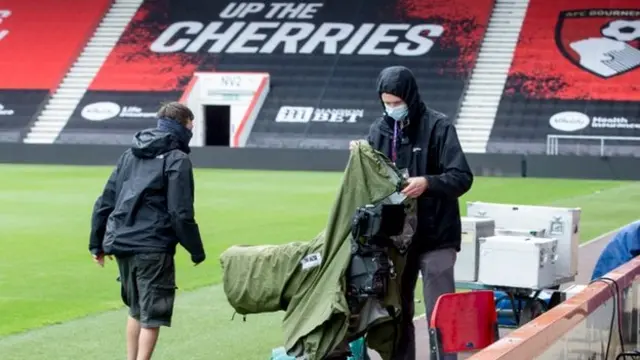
(466, 268)
(516, 261)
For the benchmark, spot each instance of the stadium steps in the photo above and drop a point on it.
(480, 102)
(64, 101)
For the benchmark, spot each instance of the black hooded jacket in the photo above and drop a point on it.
(147, 203)
(429, 147)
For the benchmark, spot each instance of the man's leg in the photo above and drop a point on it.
(156, 279)
(438, 279)
(147, 342)
(129, 295)
(406, 349)
(133, 334)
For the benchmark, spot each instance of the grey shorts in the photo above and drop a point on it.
(148, 287)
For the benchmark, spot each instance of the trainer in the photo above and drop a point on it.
(424, 145)
(145, 210)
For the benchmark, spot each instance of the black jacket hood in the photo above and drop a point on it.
(150, 143)
(399, 81)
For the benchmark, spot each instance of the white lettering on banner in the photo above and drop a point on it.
(299, 37)
(614, 13)
(277, 10)
(300, 114)
(105, 110)
(6, 112)
(294, 114)
(3, 15)
(136, 112)
(613, 123)
(337, 115)
(573, 121)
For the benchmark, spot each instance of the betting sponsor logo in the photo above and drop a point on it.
(611, 50)
(305, 114)
(288, 28)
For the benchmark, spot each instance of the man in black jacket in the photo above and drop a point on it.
(145, 210)
(424, 145)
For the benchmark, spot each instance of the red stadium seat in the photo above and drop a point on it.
(463, 322)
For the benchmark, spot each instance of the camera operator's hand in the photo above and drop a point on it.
(354, 143)
(415, 186)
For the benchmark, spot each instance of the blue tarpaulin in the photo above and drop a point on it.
(624, 246)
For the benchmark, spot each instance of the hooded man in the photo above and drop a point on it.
(424, 145)
(145, 210)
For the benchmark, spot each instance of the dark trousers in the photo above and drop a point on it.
(437, 279)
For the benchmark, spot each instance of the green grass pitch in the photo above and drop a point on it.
(56, 304)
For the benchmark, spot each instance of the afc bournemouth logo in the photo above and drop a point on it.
(604, 42)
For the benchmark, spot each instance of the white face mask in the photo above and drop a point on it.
(397, 113)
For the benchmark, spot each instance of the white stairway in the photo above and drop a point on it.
(480, 102)
(61, 105)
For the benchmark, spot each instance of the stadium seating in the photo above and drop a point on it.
(572, 85)
(17, 108)
(320, 96)
(38, 44)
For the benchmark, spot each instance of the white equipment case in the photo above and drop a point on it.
(559, 223)
(521, 232)
(466, 267)
(517, 261)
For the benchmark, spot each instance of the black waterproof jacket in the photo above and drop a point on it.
(147, 203)
(428, 147)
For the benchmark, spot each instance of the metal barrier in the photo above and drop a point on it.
(552, 141)
(597, 323)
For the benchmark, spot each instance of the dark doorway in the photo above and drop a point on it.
(217, 122)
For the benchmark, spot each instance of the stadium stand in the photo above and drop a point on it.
(572, 87)
(322, 86)
(38, 44)
(550, 99)
(481, 99)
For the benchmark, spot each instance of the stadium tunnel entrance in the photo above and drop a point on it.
(217, 125)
